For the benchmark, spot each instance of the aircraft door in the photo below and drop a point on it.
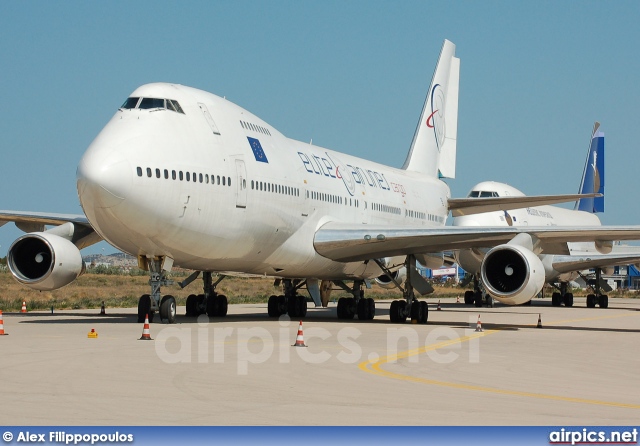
(241, 184)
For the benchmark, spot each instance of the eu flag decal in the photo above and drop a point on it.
(257, 150)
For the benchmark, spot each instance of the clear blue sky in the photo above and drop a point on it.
(352, 75)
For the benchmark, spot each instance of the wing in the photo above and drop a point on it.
(351, 242)
(468, 206)
(83, 234)
(565, 264)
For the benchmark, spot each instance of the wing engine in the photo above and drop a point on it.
(512, 274)
(44, 261)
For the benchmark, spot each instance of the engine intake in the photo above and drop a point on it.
(44, 261)
(512, 274)
(385, 281)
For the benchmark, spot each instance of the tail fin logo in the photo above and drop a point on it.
(435, 120)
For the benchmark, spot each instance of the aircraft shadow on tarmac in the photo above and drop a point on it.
(325, 315)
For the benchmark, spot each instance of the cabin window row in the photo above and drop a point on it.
(275, 188)
(256, 128)
(185, 176)
(415, 214)
(386, 208)
(329, 198)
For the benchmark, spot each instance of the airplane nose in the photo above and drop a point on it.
(104, 177)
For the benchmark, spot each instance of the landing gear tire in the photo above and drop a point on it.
(477, 299)
(192, 306)
(468, 297)
(556, 299)
(396, 312)
(489, 300)
(425, 312)
(366, 309)
(168, 309)
(346, 308)
(297, 306)
(603, 301)
(591, 300)
(217, 306)
(568, 300)
(272, 307)
(417, 313)
(144, 308)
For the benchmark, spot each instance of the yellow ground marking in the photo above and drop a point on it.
(375, 367)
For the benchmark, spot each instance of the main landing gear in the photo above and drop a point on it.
(476, 297)
(562, 297)
(210, 303)
(411, 307)
(149, 304)
(348, 307)
(291, 303)
(602, 300)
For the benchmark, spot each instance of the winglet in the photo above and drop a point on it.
(433, 149)
(593, 175)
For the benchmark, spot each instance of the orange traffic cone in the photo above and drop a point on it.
(102, 312)
(438, 308)
(2, 333)
(299, 338)
(93, 334)
(479, 325)
(146, 335)
(539, 321)
(24, 307)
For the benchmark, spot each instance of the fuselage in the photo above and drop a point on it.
(470, 260)
(182, 173)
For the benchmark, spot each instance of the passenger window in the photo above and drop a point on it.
(157, 173)
(166, 174)
(149, 172)
(173, 174)
(188, 176)
(181, 177)
(139, 170)
(223, 178)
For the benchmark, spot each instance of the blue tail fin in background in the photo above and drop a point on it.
(593, 175)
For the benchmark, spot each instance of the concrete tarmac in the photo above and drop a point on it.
(580, 368)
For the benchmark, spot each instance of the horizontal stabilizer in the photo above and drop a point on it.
(469, 206)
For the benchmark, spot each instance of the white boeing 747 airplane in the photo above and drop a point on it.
(559, 268)
(183, 177)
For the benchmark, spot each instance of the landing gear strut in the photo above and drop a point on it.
(348, 307)
(210, 303)
(411, 307)
(291, 303)
(149, 304)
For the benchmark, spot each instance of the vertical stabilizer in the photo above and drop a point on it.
(593, 175)
(433, 149)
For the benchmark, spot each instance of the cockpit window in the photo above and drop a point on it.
(152, 103)
(482, 194)
(130, 103)
(147, 103)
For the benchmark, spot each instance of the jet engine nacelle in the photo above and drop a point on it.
(385, 282)
(512, 274)
(44, 261)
